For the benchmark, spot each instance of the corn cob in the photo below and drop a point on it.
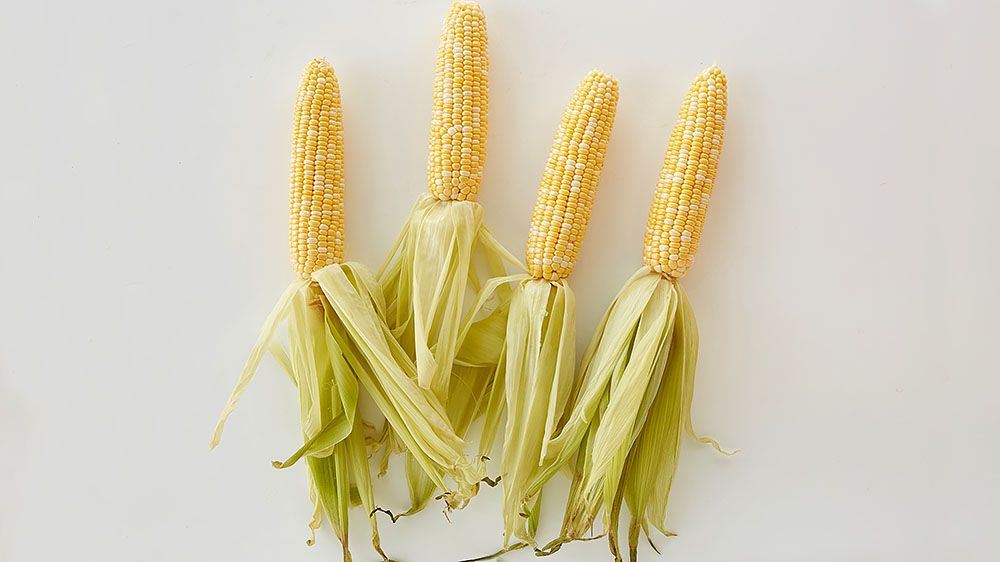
(316, 201)
(458, 123)
(678, 210)
(572, 173)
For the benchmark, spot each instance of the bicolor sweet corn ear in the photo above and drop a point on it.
(430, 278)
(332, 429)
(539, 347)
(637, 385)
(317, 137)
(572, 174)
(316, 201)
(678, 211)
(461, 95)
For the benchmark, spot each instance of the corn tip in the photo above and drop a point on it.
(682, 196)
(461, 95)
(571, 177)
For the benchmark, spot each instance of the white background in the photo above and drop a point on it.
(846, 286)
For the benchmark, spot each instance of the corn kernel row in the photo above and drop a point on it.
(682, 193)
(458, 123)
(573, 171)
(316, 199)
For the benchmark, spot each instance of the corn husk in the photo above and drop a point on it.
(428, 282)
(338, 340)
(333, 433)
(636, 390)
(416, 416)
(532, 341)
(328, 391)
(540, 359)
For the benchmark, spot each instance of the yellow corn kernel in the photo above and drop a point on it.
(572, 173)
(458, 123)
(316, 199)
(678, 210)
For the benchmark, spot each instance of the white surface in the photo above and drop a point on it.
(846, 285)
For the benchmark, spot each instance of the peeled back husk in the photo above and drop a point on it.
(415, 415)
(332, 430)
(427, 282)
(639, 377)
(540, 362)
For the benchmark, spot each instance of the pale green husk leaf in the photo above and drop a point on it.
(636, 393)
(425, 282)
(416, 416)
(540, 361)
(333, 433)
(338, 339)
(428, 281)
